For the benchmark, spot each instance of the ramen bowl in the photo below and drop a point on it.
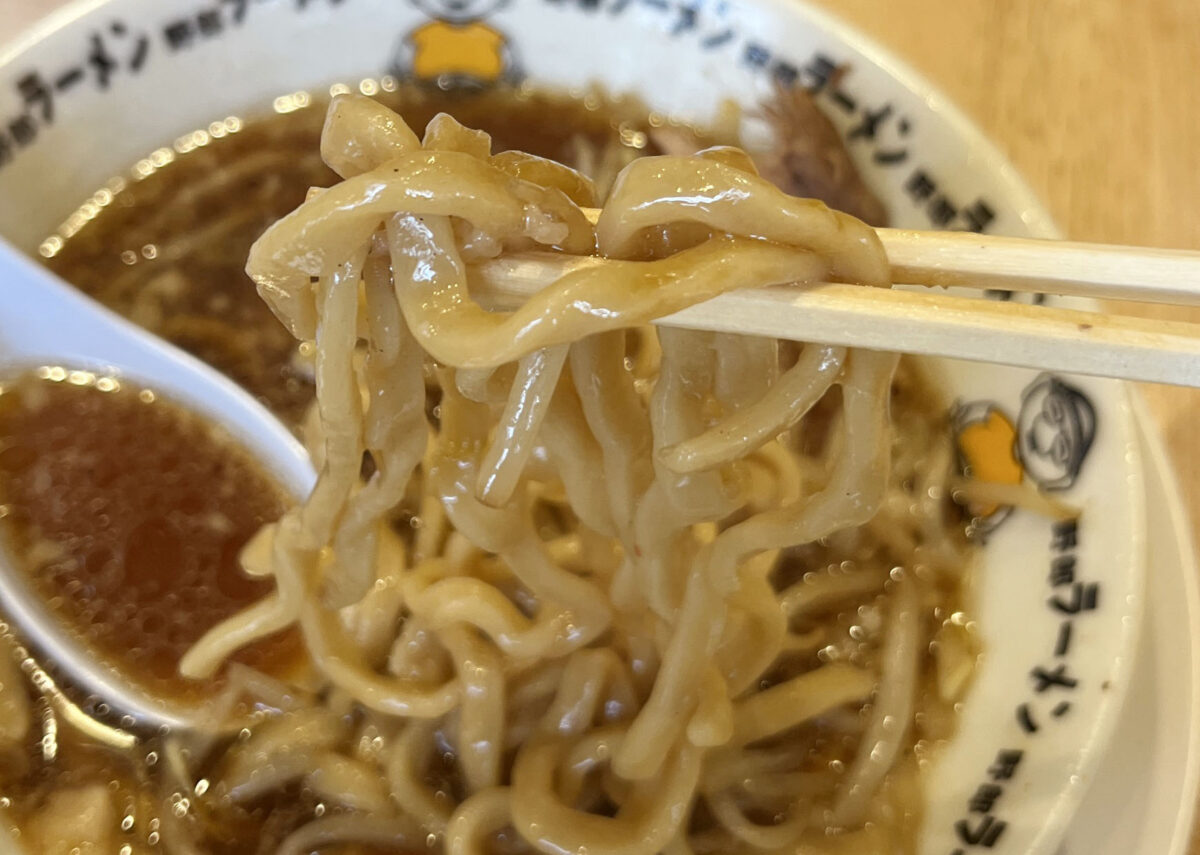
(101, 86)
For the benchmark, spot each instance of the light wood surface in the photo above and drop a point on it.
(1096, 103)
(926, 321)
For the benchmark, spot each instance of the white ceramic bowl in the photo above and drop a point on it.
(1059, 609)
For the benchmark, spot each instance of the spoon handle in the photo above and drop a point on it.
(45, 321)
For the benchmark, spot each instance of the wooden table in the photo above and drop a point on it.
(1095, 102)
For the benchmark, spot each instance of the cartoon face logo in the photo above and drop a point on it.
(1046, 444)
(458, 48)
(1056, 428)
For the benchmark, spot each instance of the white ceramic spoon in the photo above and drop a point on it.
(44, 321)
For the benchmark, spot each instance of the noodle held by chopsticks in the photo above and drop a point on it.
(589, 634)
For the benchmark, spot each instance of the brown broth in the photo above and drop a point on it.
(129, 514)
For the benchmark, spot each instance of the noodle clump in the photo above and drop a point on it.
(609, 629)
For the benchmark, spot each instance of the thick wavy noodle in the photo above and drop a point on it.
(669, 591)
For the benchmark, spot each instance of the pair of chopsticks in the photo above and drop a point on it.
(941, 324)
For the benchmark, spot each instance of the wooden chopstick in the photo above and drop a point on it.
(1032, 265)
(1043, 266)
(941, 324)
(934, 324)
